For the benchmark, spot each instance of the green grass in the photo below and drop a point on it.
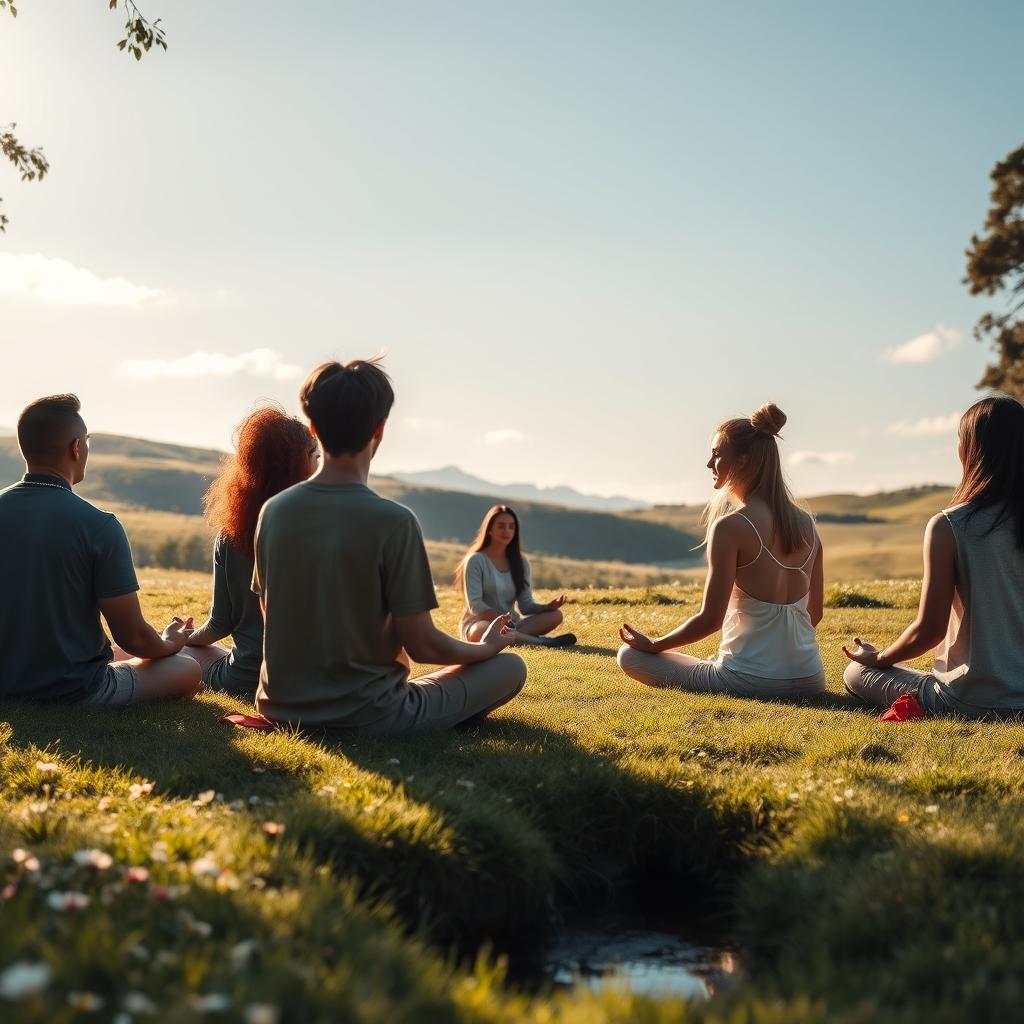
(868, 872)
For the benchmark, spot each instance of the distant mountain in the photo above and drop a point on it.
(163, 477)
(451, 478)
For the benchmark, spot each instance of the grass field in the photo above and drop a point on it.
(161, 865)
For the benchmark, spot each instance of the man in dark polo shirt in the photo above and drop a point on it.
(64, 563)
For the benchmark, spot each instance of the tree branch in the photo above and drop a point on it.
(140, 36)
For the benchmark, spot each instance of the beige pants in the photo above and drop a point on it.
(684, 672)
(444, 699)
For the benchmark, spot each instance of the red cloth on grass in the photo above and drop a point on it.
(904, 709)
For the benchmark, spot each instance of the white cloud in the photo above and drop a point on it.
(422, 423)
(927, 426)
(260, 362)
(506, 435)
(925, 348)
(48, 279)
(809, 458)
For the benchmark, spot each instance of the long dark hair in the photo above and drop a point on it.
(483, 538)
(992, 453)
(272, 453)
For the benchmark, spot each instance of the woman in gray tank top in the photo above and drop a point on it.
(972, 602)
(273, 452)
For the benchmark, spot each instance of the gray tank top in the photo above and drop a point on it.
(981, 663)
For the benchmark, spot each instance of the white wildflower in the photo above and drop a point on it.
(25, 860)
(241, 953)
(67, 900)
(212, 1002)
(98, 860)
(22, 980)
(138, 1002)
(205, 867)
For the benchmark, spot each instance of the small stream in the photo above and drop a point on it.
(634, 952)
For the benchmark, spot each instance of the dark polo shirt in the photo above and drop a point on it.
(59, 556)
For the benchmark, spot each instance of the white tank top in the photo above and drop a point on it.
(762, 638)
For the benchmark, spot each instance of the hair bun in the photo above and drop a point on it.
(769, 419)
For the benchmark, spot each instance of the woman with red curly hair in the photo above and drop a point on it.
(273, 452)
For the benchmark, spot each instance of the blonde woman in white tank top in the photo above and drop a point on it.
(764, 588)
(972, 599)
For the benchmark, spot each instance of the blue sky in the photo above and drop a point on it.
(583, 233)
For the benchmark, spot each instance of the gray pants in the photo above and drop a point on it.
(879, 687)
(684, 672)
(452, 695)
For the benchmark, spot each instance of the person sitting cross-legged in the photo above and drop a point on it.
(971, 611)
(347, 592)
(765, 583)
(274, 451)
(494, 576)
(66, 563)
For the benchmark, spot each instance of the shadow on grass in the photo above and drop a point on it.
(476, 835)
(593, 649)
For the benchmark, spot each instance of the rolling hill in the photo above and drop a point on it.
(156, 489)
(130, 473)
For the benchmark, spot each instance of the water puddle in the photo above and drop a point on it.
(639, 955)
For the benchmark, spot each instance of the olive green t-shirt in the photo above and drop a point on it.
(334, 564)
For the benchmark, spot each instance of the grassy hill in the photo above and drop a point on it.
(862, 871)
(157, 488)
(128, 472)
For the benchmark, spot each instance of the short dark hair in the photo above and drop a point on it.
(47, 426)
(347, 403)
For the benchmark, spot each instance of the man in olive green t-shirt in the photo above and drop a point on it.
(346, 589)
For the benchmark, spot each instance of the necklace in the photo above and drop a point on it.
(39, 483)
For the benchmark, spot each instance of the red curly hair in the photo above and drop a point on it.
(272, 453)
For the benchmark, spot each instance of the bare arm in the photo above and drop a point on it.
(208, 633)
(134, 634)
(218, 623)
(722, 557)
(428, 645)
(816, 595)
(928, 629)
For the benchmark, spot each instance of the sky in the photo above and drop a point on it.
(582, 233)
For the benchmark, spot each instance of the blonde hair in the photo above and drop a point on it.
(755, 439)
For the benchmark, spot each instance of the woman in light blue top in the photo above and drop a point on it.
(972, 600)
(764, 589)
(494, 578)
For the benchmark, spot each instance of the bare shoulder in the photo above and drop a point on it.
(939, 531)
(731, 528)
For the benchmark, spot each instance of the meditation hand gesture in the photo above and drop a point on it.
(635, 639)
(178, 631)
(499, 634)
(864, 653)
(553, 606)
